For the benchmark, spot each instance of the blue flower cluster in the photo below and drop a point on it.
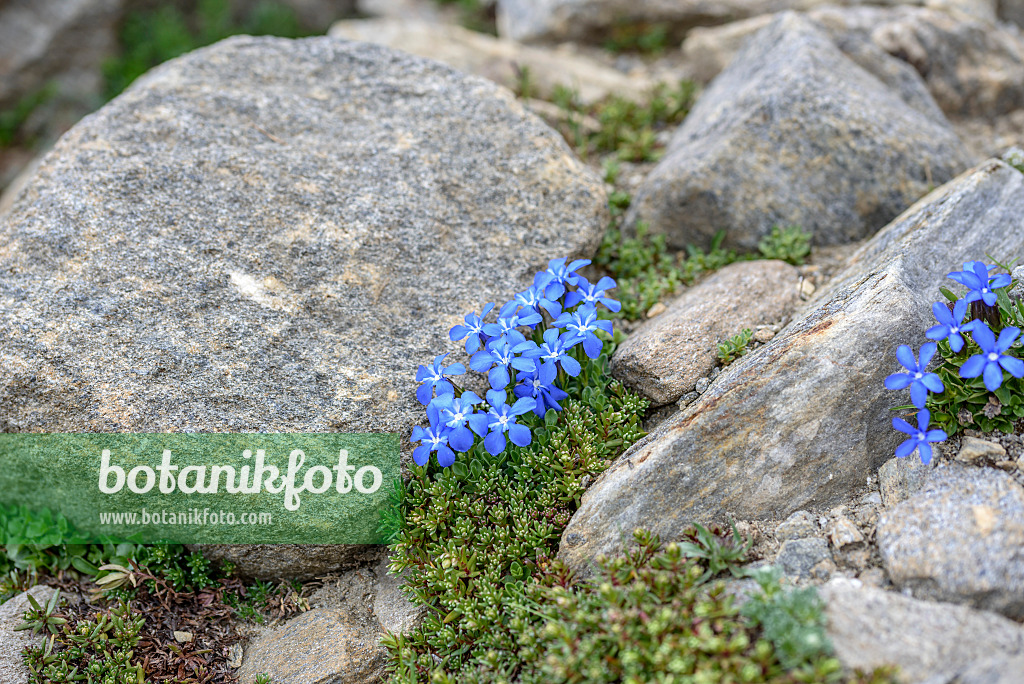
(989, 364)
(559, 312)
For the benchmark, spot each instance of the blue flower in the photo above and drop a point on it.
(435, 377)
(562, 275)
(950, 324)
(471, 331)
(593, 293)
(976, 279)
(535, 297)
(502, 419)
(456, 414)
(501, 354)
(920, 382)
(580, 326)
(540, 386)
(555, 350)
(434, 438)
(992, 362)
(511, 317)
(920, 436)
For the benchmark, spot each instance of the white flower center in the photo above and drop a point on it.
(993, 356)
(918, 376)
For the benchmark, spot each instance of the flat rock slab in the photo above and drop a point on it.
(12, 667)
(796, 132)
(931, 642)
(805, 420)
(960, 539)
(665, 356)
(270, 235)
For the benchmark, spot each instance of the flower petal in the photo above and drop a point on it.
(906, 448)
(973, 366)
(421, 454)
(898, 381)
(933, 383)
(918, 394)
(1013, 365)
(519, 434)
(993, 376)
(906, 358)
(495, 443)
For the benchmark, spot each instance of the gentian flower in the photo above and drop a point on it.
(919, 381)
(975, 278)
(456, 413)
(555, 350)
(580, 325)
(562, 275)
(919, 436)
(511, 317)
(591, 293)
(949, 326)
(991, 362)
(434, 438)
(501, 354)
(540, 386)
(471, 331)
(434, 377)
(535, 298)
(502, 419)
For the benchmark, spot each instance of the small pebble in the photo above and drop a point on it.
(763, 335)
(972, 448)
(807, 288)
(843, 532)
(687, 399)
(702, 385)
(799, 525)
(1007, 465)
(715, 373)
(656, 310)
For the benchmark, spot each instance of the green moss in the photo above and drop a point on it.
(474, 535)
(789, 243)
(735, 346)
(13, 120)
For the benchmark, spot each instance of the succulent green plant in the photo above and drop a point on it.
(788, 243)
(40, 618)
(735, 346)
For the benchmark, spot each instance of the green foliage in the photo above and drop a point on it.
(1015, 158)
(97, 650)
(474, 534)
(966, 403)
(793, 621)
(41, 618)
(645, 38)
(474, 15)
(735, 346)
(12, 120)
(789, 243)
(149, 38)
(252, 605)
(645, 270)
(625, 128)
(654, 616)
(263, 678)
(717, 551)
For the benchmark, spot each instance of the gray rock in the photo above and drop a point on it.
(240, 242)
(321, 645)
(702, 384)
(899, 478)
(1012, 11)
(795, 132)
(971, 66)
(393, 610)
(289, 561)
(843, 532)
(931, 643)
(667, 355)
(12, 669)
(797, 557)
(800, 525)
(804, 420)
(65, 40)
(997, 669)
(972, 449)
(961, 539)
(269, 236)
(501, 61)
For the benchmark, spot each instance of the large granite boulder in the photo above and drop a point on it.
(12, 643)
(805, 420)
(270, 235)
(796, 132)
(959, 539)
